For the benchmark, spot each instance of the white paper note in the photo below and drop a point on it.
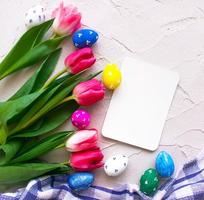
(139, 107)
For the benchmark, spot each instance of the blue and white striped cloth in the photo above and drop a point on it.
(187, 184)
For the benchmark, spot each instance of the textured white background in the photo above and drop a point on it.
(169, 33)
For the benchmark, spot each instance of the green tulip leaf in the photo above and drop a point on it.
(51, 121)
(30, 39)
(52, 103)
(48, 101)
(19, 173)
(60, 80)
(34, 55)
(40, 147)
(36, 107)
(41, 75)
(46, 25)
(3, 132)
(10, 109)
(9, 150)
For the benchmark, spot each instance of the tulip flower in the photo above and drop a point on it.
(86, 160)
(75, 62)
(80, 60)
(89, 92)
(67, 20)
(82, 140)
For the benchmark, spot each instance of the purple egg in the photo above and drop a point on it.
(80, 119)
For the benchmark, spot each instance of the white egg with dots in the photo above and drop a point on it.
(35, 16)
(116, 165)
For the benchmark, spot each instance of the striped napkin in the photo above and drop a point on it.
(187, 184)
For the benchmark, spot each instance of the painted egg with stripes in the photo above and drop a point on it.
(35, 16)
(164, 164)
(116, 165)
(80, 180)
(149, 182)
(84, 38)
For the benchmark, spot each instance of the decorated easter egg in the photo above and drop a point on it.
(149, 182)
(80, 180)
(34, 16)
(115, 165)
(111, 76)
(164, 164)
(80, 119)
(84, 38)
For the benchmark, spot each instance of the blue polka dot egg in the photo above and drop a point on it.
(80, 181)
(164, 164)
(84, 38)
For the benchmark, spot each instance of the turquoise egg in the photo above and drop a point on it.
(80, 180)
(84, 38)
(164, 164)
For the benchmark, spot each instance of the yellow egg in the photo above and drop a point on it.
(111, 76)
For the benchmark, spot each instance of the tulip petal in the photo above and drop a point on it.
(78, 55)
(84, 136)
(67, 19)
(89, 92)
(90, 97)
(82, 65)
(86, 160)
(82, 140)
(93, 84)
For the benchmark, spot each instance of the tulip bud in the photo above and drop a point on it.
(80, 60)
(67, 20)
(82, 140)
(86, 160)
(89, 92)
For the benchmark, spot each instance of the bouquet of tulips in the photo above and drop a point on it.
(43, 103)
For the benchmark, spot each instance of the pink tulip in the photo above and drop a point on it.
(89, 92)
(86, 160)
(67, 20)
(80, 60)
(82, 140)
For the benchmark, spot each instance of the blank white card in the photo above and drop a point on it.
(139, 107)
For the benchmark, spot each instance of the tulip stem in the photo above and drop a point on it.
(54, 77)
(72, 97)
(53, 35)
(60, 146)
(65, 163)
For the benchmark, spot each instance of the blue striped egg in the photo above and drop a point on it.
(164, 164)
(84, 38)
(80, 180)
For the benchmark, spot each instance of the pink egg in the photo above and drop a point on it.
(80, 119)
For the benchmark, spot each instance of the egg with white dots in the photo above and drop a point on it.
(116, 165)
(149, 182)
(35, 16)
(84, 38)
(81, 119)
